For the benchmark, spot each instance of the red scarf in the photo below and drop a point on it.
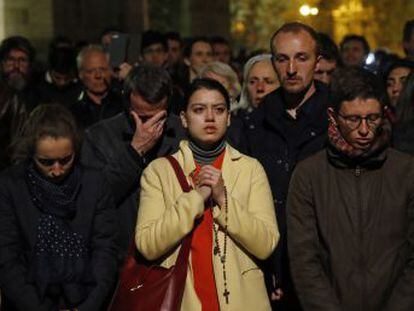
(202, 253)
(338, 141)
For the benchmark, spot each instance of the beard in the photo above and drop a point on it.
(16, 80)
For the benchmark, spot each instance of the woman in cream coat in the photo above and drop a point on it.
(228, 187)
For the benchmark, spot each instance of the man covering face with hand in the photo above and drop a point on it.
(123, 145)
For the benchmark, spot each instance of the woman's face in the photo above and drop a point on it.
(206, 117)
(261, 81)
(54, 157)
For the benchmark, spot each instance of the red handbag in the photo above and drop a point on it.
(144, 286)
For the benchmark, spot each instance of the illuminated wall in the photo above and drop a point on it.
(30, 18)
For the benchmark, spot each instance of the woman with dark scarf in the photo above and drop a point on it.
(57, 222)
(230, 210)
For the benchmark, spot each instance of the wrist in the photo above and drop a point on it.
(221, 201)
(138, 148)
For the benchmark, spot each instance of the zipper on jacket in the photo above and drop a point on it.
(357, 171)
(361, 265)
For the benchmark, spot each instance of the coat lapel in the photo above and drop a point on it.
(229, 171)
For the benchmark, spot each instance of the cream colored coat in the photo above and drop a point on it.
(166, 215)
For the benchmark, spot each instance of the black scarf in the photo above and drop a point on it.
(60, 254)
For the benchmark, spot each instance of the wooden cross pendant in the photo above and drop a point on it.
(226, 295)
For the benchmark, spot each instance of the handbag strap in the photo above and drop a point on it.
(186, 243)
(179, 173)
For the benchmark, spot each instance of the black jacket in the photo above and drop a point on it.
(279, 143)
(87, 113)
(18, 226)
(15, 106)
(107, 147)
(351, 232)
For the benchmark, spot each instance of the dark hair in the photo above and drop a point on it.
(45, 120)
(17, 43)
(188, 48)
(60, 42)
(173, 35)
(404, 110)
(328, 49)
(110, 31)
(354, 37)
(408, 30)
(152, 83)
(208, 84)
(62, 60)
(397, 63)
(296, 27)
(219, 40)
(151, 37)
(350, 83)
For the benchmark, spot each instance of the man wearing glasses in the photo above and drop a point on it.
(351, 209)
(290, 125)
(17, 95)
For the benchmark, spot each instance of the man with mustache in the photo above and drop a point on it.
(17, 96)
(100, 97)
(290, 124)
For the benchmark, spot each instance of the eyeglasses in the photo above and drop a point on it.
(50, 162)
(354, 121)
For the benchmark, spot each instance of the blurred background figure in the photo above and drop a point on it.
(403, 131)
(99, 98)
(329, 61)
(224, 74)
(197, 53)
(107, 34)
(154, 48)
(175, 45)
(59, 83)
(221, 49)
(259, 79)
(408, 39)
(395, 77)
(354, 50)
(17, 94)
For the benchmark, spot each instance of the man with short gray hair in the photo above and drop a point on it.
(100, 98)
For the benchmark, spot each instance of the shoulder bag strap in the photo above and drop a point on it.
(186, 243)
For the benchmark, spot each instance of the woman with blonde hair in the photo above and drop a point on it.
(259, 79)
(224, 74)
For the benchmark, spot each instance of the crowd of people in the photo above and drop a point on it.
(299, 160)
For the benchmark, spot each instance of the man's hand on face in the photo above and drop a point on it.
(147, 133)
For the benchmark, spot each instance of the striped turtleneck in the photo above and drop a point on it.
(203, 156)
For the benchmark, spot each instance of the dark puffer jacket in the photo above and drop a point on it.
(351, 232)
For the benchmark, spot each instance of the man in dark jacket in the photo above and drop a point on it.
(100, 98)
(17, 96)
(288, 126)
(123, 145)
(351, 209)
